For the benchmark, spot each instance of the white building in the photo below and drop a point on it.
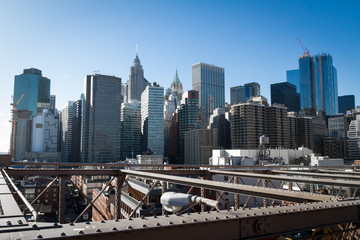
(152, 119)
(354, 138)
(322, 161)
(287, 156)
(44, 132)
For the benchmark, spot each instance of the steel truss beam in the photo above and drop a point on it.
(320, 181)
(234, 188)
(320, 175)
(239, 224)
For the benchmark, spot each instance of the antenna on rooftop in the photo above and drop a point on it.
(137, 49)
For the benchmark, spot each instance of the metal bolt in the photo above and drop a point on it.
(8, 223)
(226, 217)
(155, 216)
(114, 229)
(34, 226)
(116, 220)
(81, 232)
(188, 214)
(63, 234)
(130, 227)
(98, 230)
(144, 226)
(171, 223)
(216, 218)
(87, 222)
(205, 219)
(72, 224)
(102, 221)
(166, 215)
(39, 236)
(20, 222)
(254, 214)
(55, 224)
(158, 224)
(142, 217)
(182, 221)
(194, 220)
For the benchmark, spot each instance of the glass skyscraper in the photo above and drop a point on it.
(292, 76)
(34, 88)
(241, 94)
(285, 93)
(209, 81)
(307, 82)
(346, 102)
(100, 130)
(326, 88)
(152, 119)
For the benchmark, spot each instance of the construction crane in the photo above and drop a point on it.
(305, 51)
(17, 102)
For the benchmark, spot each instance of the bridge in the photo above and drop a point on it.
(289, 199)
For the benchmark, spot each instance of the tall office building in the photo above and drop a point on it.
(241, 94)
(277, 126)
(100, 130)
(33, 89)
(354, 139)
(346, 103)
(293, 77)
(130, 130)
(171, 104)
(188, 118)
(338, 125)
(326, 87)
(285, 93)
(307, 82)
(31, 95)
(70, 131)
(152, 119)
(209, 81)
(136, 83)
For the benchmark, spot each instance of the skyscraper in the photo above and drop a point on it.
(136, 83)
(285, 93)
(346, 103)
(307, 82)
(152, 119)
(130, 130)
(241, 94)
(176, 87)
(33, 89)
(293, 77)
(326, 87)
(100, 133)
(188, 118)
(209, 81)
(220, 120)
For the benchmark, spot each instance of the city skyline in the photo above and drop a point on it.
(254, 41)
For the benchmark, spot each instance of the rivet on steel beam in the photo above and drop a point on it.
(158, 224)
(205, 219)
(8, 223)
(81, 232)
(194, 220)
(129, 227)
(269, 212)
(102, 221)
(87, 222)
(254, 214)
(263, 213)
(171, 223)
(208, 211)
(116, 220)
(39, 236)
(144, 226)
(72, 224)
(166, 215)
(285, 210)
(278, 211)
(236, 216)
(63, 234)
(226, 217)
(198, 213)
(34, 226)
(142, 217)
(188, 213)
(155, 216)
(55, 224)
(114, 229)
(216, 218)
(247, 215)
(20, 222)
(228, 210)
(182, 221)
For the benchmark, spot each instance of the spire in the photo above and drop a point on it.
(176, 78)
(137, 60)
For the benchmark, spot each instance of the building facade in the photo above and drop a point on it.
(209, 81)
(285, 93)
(326, 87)
(220, 120)
(307, 82)
(293, 77)
(241, 94)
(346, 103)
(100, 130)
(152, 119)
(130, 130)
(199, 144)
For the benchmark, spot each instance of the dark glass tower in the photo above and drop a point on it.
(285, 93)
(307, 82)
(346, 102)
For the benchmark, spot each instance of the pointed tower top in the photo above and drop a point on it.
(136, 60)
(176, 78)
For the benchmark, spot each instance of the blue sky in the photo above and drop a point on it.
(253, 41)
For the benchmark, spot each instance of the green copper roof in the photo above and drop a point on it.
(176, 78)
